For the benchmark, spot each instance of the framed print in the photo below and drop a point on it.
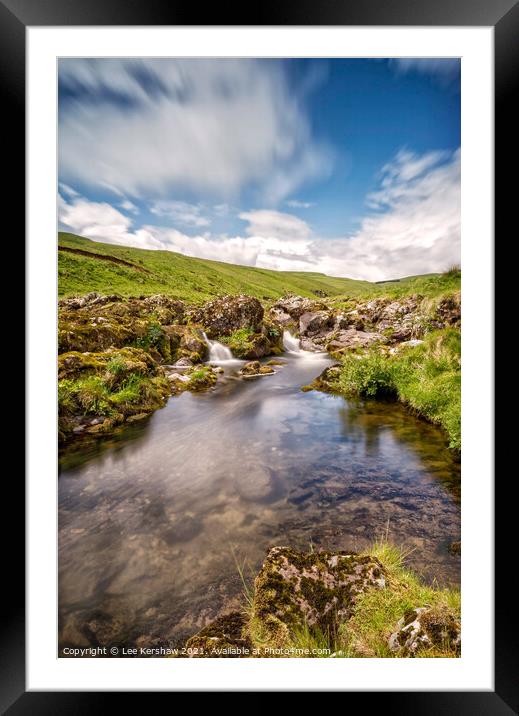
(259, 430)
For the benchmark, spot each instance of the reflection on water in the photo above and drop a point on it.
(149, 521)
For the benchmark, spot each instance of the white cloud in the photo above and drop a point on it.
(418, 230)
(275, 224)
(413, 228)
(210, 126)
(181, 212)
(128, 205)
(296, 204)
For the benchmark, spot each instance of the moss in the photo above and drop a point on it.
(313, 589)
(201, 378)
(108, 387)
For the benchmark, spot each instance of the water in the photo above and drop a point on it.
(291, 343)
(151, 522)
(218, 353)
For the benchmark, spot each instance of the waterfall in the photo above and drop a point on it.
(217, 351)
(290, 343)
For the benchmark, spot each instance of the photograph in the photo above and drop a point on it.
(259, 357)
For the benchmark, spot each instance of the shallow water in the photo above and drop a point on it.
(153, 522)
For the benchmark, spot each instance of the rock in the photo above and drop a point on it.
(295, 306)
(454, 548)
(223, 316)
(136, 418)
(192, 344)
(352, 338)
(253, 368)
(311, 323)
(425, 628)
(279, 316)
(319, 589)
(183, 363)
(225, 637)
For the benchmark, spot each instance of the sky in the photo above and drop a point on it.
(350, 167)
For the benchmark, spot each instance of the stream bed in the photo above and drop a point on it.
(153, 521)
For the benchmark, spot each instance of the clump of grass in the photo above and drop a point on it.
(377, 611)
(426, 377)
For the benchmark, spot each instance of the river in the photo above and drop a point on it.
(153, 522)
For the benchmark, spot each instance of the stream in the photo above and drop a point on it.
(153, 521)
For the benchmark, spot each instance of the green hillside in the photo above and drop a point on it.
(85, 265)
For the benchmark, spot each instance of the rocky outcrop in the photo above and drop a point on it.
(319, 589)
(426, 628)
(225, 315)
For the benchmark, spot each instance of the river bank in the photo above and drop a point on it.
(120, 359)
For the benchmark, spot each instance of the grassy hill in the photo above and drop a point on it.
(85, 265)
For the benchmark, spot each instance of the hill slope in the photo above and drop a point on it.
(86, 265)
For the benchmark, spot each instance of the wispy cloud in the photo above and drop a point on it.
(212, 127)
(296, 204)
(443, 70)
(180, 212)
(128, 205)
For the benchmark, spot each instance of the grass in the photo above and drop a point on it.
(377, 611)
(426, 377)
(183, 277)
(198, 280)
(375, 616)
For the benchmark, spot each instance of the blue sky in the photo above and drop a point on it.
(350, 167)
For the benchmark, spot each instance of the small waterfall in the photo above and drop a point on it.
(290, 343)
(218, 353)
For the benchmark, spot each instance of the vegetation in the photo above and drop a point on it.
(111, 387)
(376, 614)
(146, 272)
(426, 377)
(377, 611)
(85, 265)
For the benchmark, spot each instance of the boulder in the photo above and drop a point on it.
(223, 316)
(224, 637)
(426, 628)
(317, 589)
(315, 322)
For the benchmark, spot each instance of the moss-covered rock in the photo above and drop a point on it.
(99, 391)
(254, 368)
(226, 637)
(426, 628)
(317, 590)
(225, 315)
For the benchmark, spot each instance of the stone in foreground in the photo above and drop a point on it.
(426, 628)
(226, 637)
(295, 590)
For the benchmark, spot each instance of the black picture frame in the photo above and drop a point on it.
(15, 17)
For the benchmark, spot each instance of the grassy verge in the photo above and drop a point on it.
(426, 377)
(375, 616)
